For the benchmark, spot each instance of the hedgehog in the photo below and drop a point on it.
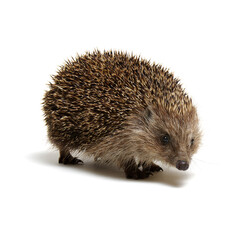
(122, 110)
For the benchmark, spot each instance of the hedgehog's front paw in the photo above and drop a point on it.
(132, 170)
(138, 174)
(151, 167)
(143, 174)
(155, 168)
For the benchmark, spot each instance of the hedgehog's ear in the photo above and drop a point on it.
(148, 113)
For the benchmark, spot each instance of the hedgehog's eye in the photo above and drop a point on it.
(165, 139)
(192, 141)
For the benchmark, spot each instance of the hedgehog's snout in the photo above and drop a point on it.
(182, 165)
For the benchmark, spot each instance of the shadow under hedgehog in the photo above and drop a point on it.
(123, 110)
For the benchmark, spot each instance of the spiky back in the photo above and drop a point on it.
(93, 94)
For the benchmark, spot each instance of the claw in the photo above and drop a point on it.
(156, 168)
(76, 161)
(73, 161)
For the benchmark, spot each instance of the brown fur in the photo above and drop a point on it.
(117, 107)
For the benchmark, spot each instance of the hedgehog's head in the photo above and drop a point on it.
(168, 136)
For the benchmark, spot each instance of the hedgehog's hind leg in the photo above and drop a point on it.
(67, 158)
(132, 171)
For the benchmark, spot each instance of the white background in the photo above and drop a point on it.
(207, 44)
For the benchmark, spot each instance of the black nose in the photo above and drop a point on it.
(182, 165)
